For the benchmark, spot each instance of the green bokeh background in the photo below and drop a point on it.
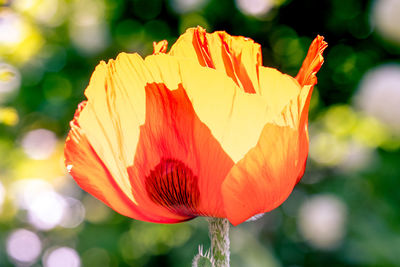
(62, 42)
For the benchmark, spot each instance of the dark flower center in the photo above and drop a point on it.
(173, 185)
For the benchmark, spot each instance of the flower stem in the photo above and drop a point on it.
(219, 235)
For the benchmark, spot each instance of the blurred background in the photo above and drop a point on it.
(344, 212)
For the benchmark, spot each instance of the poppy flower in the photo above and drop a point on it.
(201, 130)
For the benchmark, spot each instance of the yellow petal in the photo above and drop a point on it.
(238, 57)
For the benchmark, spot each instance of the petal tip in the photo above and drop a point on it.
(313, 62)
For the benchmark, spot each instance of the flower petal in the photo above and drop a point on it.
(279, 90)
(267, 173)
(111, 120)
(237, 56)
(265, 177)
(312, 62)
(179, 166)
(92, 175)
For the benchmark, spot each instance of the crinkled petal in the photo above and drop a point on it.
(91, 174)
(180, 165)
(111, 122)
(312, 62)
(237, 56)
(234, 117)
(266, 175)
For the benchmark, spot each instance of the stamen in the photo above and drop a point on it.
(173, 185)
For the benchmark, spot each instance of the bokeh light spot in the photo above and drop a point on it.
(340, 120)
(39, 144)
(327, 149)
(11, 28)
(322, 221)
(9, 116)
(23, 246)
(255, 8)
(385, 15)
(46, 210)
(378, 94)
(74, 213)
(61, 257)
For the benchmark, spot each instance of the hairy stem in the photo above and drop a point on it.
(219, 235)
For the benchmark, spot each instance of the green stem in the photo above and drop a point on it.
(219, 235)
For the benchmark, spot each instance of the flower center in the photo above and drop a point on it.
(173, 185)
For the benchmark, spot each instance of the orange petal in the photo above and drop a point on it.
(307, 79)
(179, 163)
(237, 56)
(111, 120)
(92, 175)
(312, 62)
(265, 177)
(116, 118)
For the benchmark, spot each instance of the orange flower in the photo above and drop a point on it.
(203, 130)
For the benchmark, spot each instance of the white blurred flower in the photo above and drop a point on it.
(25, 191)
(74, 213)
(39, 143)
(23, 246)
(379, 94)
(257, 8)
(90, 38)
(12, 30)
(385, 15)
(88, 28)
(61, 257)
(322, 221)
(45, 208)
(357, 157)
